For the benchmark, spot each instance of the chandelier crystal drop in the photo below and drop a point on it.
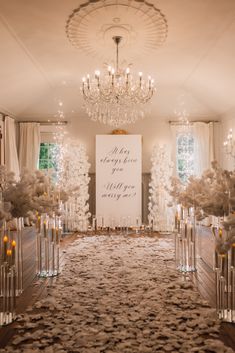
(116, 98)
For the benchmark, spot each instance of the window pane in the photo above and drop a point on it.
(49, 157)
(43, 152)
(43, 164)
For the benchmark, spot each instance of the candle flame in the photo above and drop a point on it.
(13, 243)
(5, 239)
(220, 232)
(9, 252)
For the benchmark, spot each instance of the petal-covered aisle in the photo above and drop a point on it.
(119, 295)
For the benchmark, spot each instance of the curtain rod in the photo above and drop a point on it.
(190, 122)
(58, 122)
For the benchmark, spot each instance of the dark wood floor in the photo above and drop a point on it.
(35, 288)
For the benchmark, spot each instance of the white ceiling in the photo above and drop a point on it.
(39, 66)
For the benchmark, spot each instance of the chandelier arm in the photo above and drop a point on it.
(117, 97)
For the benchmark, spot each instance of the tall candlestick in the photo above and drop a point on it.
(45, 228)
(185, 229)
(5, 241)
(53, 235)
(13, 244)
(57, 236)
(233, 255)
(9, 256)
(191, 232)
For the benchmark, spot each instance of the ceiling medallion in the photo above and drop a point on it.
(92, 25)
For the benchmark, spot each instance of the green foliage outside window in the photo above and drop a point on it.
(48, 157)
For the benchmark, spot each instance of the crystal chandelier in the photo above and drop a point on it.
(116, 98)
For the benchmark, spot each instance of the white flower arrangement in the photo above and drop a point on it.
(161, 172)
(32, 193)
(212, 194)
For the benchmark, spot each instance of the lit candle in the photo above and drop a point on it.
(220, 232)
(13, 244)
(5, 241)
(9, 256)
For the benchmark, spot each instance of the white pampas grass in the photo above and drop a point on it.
(159, 199)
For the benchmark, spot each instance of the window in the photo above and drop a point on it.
(48, 157)
(185, 156)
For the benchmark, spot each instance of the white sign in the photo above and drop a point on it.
(118, 180)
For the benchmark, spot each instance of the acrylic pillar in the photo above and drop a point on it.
(185, 245)
(8, 277)
(225, 284)
(19, 256)
(8, 298)
(11, 243)
(48, 248)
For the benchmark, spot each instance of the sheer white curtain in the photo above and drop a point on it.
(174, 131)
(29, 145)
(203, 146)
(11, 156)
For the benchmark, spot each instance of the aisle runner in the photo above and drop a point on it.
(122, 295)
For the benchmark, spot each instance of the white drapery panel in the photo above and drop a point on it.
(203, 146)
(11, 156)
(2, 140)
(29, 145)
